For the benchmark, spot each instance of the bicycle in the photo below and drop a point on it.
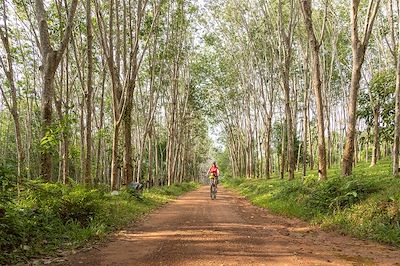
(213, 187)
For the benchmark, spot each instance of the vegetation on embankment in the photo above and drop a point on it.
(48, 217)
(366, 204)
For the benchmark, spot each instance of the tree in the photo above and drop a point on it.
(89, 95)
(316, 83)
(12, 100)
(376, 107)
(50, 60)
(285, 54)
(395, 52)
(359, 47)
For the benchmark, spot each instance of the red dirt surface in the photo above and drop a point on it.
(195, 230)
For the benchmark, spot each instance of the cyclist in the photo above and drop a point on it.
(213, 172)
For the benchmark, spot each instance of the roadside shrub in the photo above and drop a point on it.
(389, 210)
(337, 193)
(80, 205)
(234, 181)
(292, 189)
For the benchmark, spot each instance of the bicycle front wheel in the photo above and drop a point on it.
(213, 192)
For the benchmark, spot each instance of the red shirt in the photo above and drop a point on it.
(214, 169)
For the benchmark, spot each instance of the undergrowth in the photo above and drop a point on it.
(366, 204)
(47, 217)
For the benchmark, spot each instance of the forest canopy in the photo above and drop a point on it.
(110, 92)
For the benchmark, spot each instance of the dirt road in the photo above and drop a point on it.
(194, 230)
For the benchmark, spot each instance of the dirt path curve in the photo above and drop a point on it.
(194, 230)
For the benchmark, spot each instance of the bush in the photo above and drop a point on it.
(337, 193)
(80, 205)
(389, 210)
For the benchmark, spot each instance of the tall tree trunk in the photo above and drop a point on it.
(329, 132)
(140, 158)
(249, 144)
(355, 152)
(289, 129)
(151, 159)
(305, 125)
(268, 148)
(283, 150)
(156, 162)
(286, 61)
(114, 158)
(13, 106)
(66, 133)
(50, 61)
(359, 48)
(375, 152)
(310, 141)
(99, 172)
(88, 96)
(396, 139)
(316, 82)
(128, 167)
(82, 140)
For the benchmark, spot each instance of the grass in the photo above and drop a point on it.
(48, 217)
(365, 205)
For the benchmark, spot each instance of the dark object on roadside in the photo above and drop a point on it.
(135, 186)
(135, 189)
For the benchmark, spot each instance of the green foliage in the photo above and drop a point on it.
(6, 177)
(380, 96)
(80, 205)
(366, 204)
(49, 216)
(338, 193)
(276, 139)
(49, 141)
